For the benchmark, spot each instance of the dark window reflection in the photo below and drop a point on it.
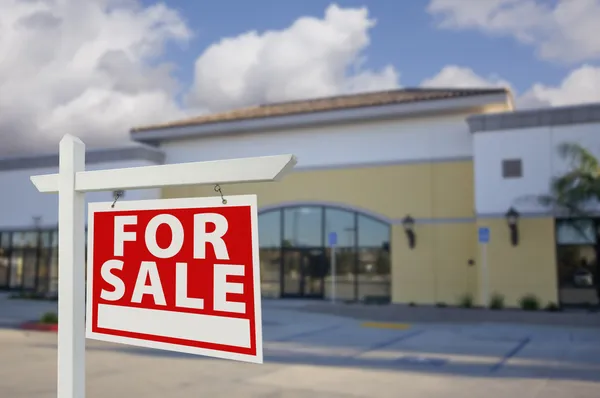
(577, 261)
(44, 270)
(269, 264)
(26, 259)
(303, 226)
(53, 285)
(577, 271)
(4, 258)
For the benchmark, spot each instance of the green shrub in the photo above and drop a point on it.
(466, 301)
(497, 301)
(49, 317)
(529, 302)
(552, 307)
(441, 305)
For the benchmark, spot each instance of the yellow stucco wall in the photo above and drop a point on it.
(437, 270)
(438, 194)
(426, 190)
(529, 267)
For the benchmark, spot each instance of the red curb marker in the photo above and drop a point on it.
(40, 327)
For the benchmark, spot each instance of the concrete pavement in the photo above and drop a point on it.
(321, 355)
(432, 314)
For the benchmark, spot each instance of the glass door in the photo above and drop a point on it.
(303, 273)
(314, 273)
(291, 275)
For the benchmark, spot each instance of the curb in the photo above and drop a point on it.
(39, 327)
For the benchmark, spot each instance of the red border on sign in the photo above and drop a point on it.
(242, 241)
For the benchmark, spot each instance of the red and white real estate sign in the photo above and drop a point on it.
(176, 274)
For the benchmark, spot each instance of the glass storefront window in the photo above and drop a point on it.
(25, 259)
(577, 273)
(575, 232)
(270, 260)
(53, 268)
(4, 258)
(5, 240)
(296, 260)
(25, 239)
(374, 264)
(303, 226)
(44, 270)
(269, 229)
(341, 222)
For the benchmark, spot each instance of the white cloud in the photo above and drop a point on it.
(82, 67)
(93, 68)
(565, 31)
(454, 76)
(579, 86)
(311, 58)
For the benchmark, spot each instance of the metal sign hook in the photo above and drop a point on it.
(218, 189)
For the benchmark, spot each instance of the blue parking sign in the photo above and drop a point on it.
(332, 238)
(484, 234)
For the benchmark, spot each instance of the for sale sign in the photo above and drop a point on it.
(176, 274)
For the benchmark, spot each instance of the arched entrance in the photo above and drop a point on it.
(296, 258)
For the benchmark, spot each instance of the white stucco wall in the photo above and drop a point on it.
(417, 139)
(537, 148)
(20, 201)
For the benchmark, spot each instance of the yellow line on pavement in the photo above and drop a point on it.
(385, 325)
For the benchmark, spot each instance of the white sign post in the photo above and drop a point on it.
(484, 238)
(71, 183)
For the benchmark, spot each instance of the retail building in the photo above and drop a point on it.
(404, 179)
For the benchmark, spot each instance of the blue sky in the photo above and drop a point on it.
(405, 36)
(104, 66)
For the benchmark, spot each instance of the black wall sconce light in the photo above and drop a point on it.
(512, 219)
(409, 224)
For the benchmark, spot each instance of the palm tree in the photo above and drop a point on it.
(572, 192)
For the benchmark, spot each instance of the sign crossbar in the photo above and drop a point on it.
(229, 171)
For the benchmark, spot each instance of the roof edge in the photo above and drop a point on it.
(347, 115)
(92, 156)
(531, 118)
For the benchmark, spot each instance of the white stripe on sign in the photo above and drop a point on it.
(178, 325)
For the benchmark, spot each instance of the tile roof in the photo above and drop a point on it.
(328, 104)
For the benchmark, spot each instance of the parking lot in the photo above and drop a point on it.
(319, 355)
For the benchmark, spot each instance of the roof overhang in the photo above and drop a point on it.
(137, 152)
(531, 118)
(353, 115)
